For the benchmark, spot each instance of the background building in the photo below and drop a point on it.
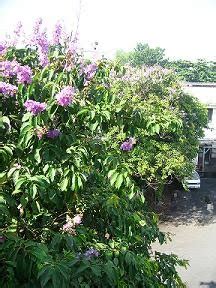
(206, 93)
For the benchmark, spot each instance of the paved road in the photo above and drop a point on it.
(192, 221)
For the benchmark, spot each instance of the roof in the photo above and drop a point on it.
(200, 84)
(205, 92)
(209, 137)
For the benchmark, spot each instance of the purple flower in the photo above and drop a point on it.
(90, 253)
(24, 74)
(53, 133)
(65, 96)
(37, 26)
(13, 68)
(8, 68)
(7, 89)
(90, 71)
(34, 107)
(128, 144)
(72, 46)
(40, 40)
(3, 48)
(57, 34)
(18, 29)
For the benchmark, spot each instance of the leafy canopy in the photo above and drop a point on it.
(81, 143)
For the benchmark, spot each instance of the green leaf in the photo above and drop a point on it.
(113, 178)
(157, 128)
(3, 177)
(37, 156)
(52, 173)
(83, 111)
(6, 120)
(119, 181)
(111, 172)
(93, 126)
(79, 182)
(92, 114)
(34, 191)
(8, 150)
(18, 184)
(64, 184)
(26, 117)
(11, 171)
(73, 182)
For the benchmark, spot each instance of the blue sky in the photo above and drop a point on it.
(185, 28)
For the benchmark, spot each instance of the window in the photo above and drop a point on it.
(210, 113)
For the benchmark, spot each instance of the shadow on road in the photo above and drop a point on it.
(194, 206)
(208, 284)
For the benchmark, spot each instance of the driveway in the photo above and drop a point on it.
(191, 220)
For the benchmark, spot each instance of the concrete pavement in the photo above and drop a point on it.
(191, 220)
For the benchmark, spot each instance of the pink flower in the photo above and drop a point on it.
(77, 219)
(65, 96)
(67, 226)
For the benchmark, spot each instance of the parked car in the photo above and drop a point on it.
(193, 181)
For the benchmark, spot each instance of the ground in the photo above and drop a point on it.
(191, 220)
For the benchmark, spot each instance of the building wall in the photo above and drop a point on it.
(206, 93)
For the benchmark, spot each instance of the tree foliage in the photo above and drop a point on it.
(197, 71)
(142, 54)
(81, 143)
(191, 71)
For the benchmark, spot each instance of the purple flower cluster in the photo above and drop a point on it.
(7, 89)
(71, 224)
(17, 34)
(3, 48)
(156, 73)
(91, 253)
(128, 144)
(18, 29)
(57, 33)
(8, 68)
(90, 71)
(34, 107)
(53, 133)
(13, 68)
(65, 96)
(40, 40)
(24, 74)
(72, 44)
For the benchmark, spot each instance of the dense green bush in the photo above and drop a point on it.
(80, 144)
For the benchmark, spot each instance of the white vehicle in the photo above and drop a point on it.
(193, 182)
